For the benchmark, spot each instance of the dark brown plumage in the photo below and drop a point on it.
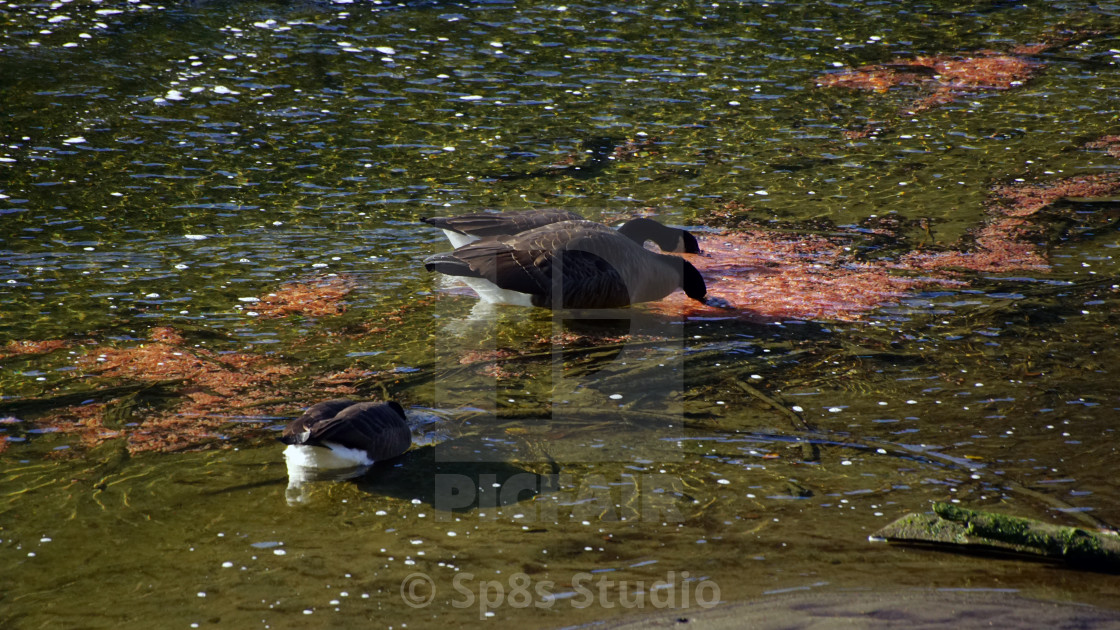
(462, 229)
(485, 224)
(380, 430)
(572, 264)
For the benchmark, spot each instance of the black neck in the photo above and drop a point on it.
(642, 230)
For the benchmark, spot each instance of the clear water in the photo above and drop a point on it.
(161, 163)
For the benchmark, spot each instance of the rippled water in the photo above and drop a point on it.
(162, 166)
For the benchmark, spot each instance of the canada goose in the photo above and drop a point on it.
(340, 433)
(572, 264)
(340, 439)
(468, 228)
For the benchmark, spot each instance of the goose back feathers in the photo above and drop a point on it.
(572, 264)
(468, 228)
(360, 433)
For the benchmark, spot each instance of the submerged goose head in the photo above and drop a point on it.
(340, 439)
(572, 264)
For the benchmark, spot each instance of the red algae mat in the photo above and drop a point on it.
(985, 70)
(320, 297)
(1023, 199)
(769, 276)
(205, 389)
(777, 276)
(942, 79)
(773, 276)
(189, 397)
(181, 396)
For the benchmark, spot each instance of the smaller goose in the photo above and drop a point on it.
(341, 439)
(468, 228)
(571, 264)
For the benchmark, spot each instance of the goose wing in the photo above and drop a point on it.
(378, 428)
(494, 224)
(299, 429)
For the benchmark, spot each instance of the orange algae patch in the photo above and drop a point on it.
(321, 297)
(768, 277)
(572, 339)
(84, 421)
(1110, 144)
(483, 356)
(1000, 246)
(205, 391)
(990, 71)
(943, 76)
(875, 78)
(1022, 200)
(16, 348)
(632, 148)
(343, 382)
(985, 71)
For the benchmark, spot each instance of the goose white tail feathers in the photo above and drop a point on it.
(572, 264)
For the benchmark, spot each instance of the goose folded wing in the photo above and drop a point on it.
(297, 431)
(491, 224)
(375, 427)
(522, 270)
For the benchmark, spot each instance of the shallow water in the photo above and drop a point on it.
(169, 166)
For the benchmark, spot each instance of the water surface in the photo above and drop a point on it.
(164, 168)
